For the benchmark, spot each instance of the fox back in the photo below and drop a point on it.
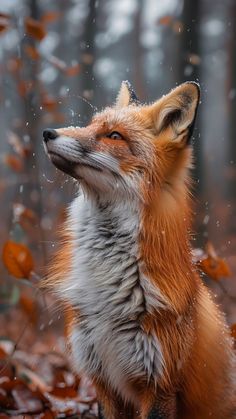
(140, 322)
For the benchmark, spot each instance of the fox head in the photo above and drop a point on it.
(129, 149)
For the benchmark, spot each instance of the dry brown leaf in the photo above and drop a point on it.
(35, 28)
(215, 267)
(17, 259)
(64, 392)
(5, 15)
(4, 22)
(49, 103)
(233, 330)
(50, 17)
(24, 87)
(165, 20)
(21, 149)
(14, 162)
(177, 27)
(22, 213)
(73, 70)
(32, 52)
(194, 59)
(48, 414)
(34, 381)
(14, 64)
(30, 308)
(3, 354)
(87, 58)
(3, 26)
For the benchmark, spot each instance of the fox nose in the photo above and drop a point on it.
(49, 134)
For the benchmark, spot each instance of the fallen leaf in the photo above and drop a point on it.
(50, 17)
(48, 414)
(14, 162)
(35, 28)
(24, 87)
(87, 58)
(64, 392)
(3, 354)
(215, 267)
(22, 213)
(14, 64)
(73, 70)
(17, 259)
(4, 22)
(194, 59)
(177, 27)
(34, 381)
(165, 20)
(5, 15)
(30, 307)
(3, 26)
(49, 103)
(233, 330)
(21, 149)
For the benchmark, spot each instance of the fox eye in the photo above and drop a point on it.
(115, 135)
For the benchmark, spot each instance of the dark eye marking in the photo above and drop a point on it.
(115, 135)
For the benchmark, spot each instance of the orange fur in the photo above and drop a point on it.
(194, 338)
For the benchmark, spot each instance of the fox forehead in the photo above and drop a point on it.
(129, 121)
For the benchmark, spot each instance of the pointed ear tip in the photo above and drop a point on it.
(195, 85)
(125, 83)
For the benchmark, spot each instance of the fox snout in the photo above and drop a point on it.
(49, 134)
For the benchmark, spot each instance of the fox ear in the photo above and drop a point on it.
(126, 95)
(176, 112)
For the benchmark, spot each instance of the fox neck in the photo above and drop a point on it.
(165, 247)
(161, 231)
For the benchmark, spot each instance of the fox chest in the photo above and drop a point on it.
(106, 288)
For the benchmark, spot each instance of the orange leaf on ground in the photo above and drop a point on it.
(17, 259)
(3, 354)
(14, 162)
(35, 28)
(233, 330)
(64, 392)
(213, 265)
(5, 15)
(4, 22)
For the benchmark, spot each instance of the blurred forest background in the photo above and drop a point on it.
(59, 62)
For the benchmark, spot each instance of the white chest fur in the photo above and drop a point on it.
(112, 295)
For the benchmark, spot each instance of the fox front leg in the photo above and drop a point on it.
(111, 406)
(163, 407)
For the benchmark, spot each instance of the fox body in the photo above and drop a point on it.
(140, 322)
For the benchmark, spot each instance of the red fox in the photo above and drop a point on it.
(140, 322)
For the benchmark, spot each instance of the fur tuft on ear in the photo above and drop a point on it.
(126, 95)
(176, 112)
